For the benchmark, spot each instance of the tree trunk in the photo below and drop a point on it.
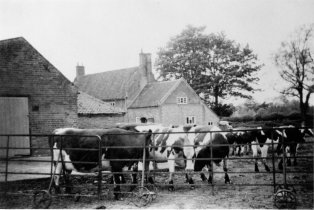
(303, 109)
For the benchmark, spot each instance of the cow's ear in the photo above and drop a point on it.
(186, 128)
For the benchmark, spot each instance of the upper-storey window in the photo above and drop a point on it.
(190, 120)
(182, 100)
(112, 103)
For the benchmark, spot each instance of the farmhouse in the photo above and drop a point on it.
(144, 99)
(36, 98)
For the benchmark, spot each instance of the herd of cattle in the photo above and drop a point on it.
(193, 148)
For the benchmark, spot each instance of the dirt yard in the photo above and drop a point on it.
(247, 190)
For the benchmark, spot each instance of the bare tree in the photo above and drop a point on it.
(295, 60)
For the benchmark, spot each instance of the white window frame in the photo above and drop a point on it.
(190, 120)
(137, 119)
(113, 103)
(182, 100)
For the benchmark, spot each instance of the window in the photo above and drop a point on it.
(190, 120)
(182, 100)
(210, 123)
(112, 103)
(140, 120)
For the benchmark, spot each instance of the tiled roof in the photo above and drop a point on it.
(90, 105)
(153, 93)
(107, 85)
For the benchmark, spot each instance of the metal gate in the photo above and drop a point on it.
(282, 187)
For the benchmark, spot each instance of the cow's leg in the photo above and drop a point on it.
(280, 164)
(210, 171)
(148, 177)
(294, 154)
(56, 177)
(254, 150)
(242, 150)
(189, 178)
(227, 179)
(116, 189)
(247, 149)
(171, 166)
(68, 167)
(134, 176)
(231, 150)
(287, 150)
(238, 150)
(264, 150)
(57, 168)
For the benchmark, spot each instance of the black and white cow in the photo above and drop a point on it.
(76, 149)
(181, 147)
(261, 140)
(292, 137)
(210, 145)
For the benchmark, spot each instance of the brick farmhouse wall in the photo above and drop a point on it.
(149, 112)
(99, 121)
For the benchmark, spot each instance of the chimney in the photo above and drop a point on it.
(146, 67)
(80, 70)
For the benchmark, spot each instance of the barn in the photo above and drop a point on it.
(144, 99)
(36, 98)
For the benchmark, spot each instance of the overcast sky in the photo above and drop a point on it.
(109, 34)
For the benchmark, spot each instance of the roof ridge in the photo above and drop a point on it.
(15, 38)
(104, 72)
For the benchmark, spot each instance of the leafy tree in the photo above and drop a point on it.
(212, 64)
(223, 110)
(294, 58)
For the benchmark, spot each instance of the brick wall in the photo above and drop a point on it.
(100, 121)
(151, 112)
(52, 98)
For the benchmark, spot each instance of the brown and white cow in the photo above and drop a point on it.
(77, 149)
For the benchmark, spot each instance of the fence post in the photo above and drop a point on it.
(51, 154)
(99, 167)
(7, 164)
(211, 162)
(143, 168)
(273, 160)
(284, 162)
(154, 161)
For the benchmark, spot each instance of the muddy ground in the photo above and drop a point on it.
(247, 190)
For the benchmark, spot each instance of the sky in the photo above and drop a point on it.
(107, 35)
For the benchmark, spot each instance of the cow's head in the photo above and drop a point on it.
(307, 131)
(200, 138)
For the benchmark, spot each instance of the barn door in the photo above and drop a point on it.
(14, 120)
